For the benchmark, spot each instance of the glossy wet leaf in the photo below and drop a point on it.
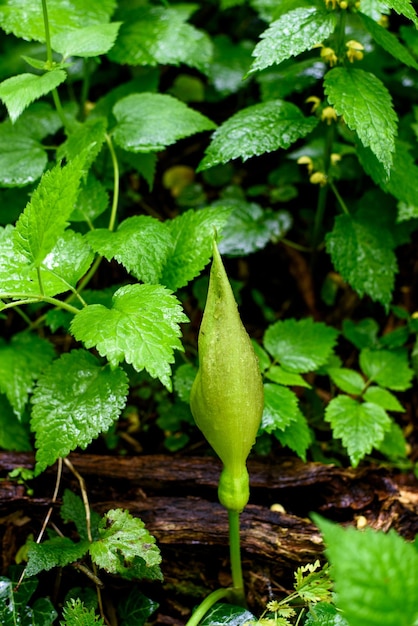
(255, 130)
(88, 136)
(55, 552)
(89, 41)
(297, 436)
(293, 33)
(347, 380)
(387, 368)
(149, 122)
(142, 328)
(22, 158)
(383, 398)
(18, 92)
(360, 426)
(404, 7)
(280, 407)
(388, 41)
(136, 608)
(22, 360)
(222, 614)
(75, 400)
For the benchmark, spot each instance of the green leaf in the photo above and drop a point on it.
(383, 398)
(73, 509)
(379, 566)
(14, 610)
(403, 7)
(388, 41)
(136, 609)
(291, 34)
(387, 368)
(370, 113)
(24, 19)
(22, 158)
(222, 614)
(324, 614)
(122, 540)
(90, 41)
(91, 202)
(141, 244)
(89, 136)
(45, 216)
(250, 227)
(360, 426)
(347, 380)
(149, 122)
(160, 36)
(183, 380)
(55, 552)
(76, 614)
(13, 434)
(258, 129)
(230, 62)
(192, 235)
(296, 436)
(362, 334)
(280, 407)
(75, 400)
(18, 92)
(300, 346)
(142, 327)
(282, 377)
(21, 362)
(394, 445)
(361, 250)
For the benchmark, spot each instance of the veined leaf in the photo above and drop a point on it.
(380, 566)
(403, 7)
(91, 202)
(388, 41)
(18, 92)
(89, 41)
(347, 380)
(296, 436)
(300, 346)
(360, 426)
(88, 137)
(160, 35)
(383, 398)
(75, 400)
(149, 122)
(367, 108)
(75, 613)
(21, 362)
(142, 327)
(45, 216)
(122, 540)
(387, 368)
(24, 19)
(280, 407)
(258, 129)
(282, 377)
(22, 158)
(56, 552)
(293, 33)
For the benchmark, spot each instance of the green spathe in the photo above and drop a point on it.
(227, 395)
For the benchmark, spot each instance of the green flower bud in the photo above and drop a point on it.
(227, 395)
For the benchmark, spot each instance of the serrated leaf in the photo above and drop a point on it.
(258, 129)
(45, 216)
(76, 613)
(21, 362)
(55, 552)
(282, 377)
(293, 33)
(18, 92)
(91, 202)
(394, 445)
(122, 540)
(13, 434)
(380, 566)
(136, 608)
(159, 36)
(387, 368)
(22, 158)
(90, 41)
(370, 113)
(362, 334)
(250, 227)
(347, 380)
(383, 398)
(149, 122)
(192, 236)
(360, 426)
(388, 41)
(24, 19)
(142, 327)
(403, 7)
(362, 252)
(75, 400)
(324, 614)
(296, 436)
(222, 614)
(89, 136)
(14, 610)
(141, 244)
(280, 407)
(300, 345)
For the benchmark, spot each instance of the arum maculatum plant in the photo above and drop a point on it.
(227, 402)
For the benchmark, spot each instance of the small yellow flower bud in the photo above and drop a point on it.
(318, 178)
(354, 50)
(315, 102)
(335, 158)
(343, 5)
(383, 21)
(329, 115)
(306, 160)
(330, 3)
(227, 395)
(329, 56)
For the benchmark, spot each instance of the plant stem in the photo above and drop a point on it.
(339, 198)
(47, 33)
(200, 612)
(28, 298)
(115, 163)
(235, 555)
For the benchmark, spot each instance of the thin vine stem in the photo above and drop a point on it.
(339, 198)
(49, 60)
(28, 298)
(115, 201)
(235, 555)
(200, 612)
